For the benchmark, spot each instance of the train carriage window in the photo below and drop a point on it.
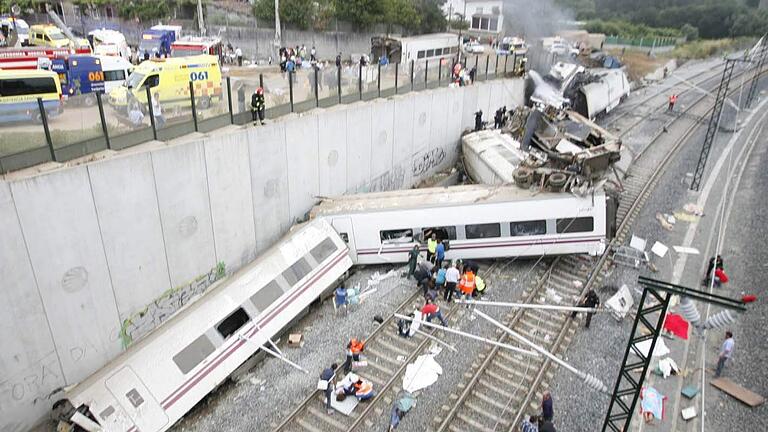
(454, 50)
(396, 236)
(528, 228)
(483, 230)
(575, 225)
(430, 53)
(108, 411)
(443, 233)
(421, 54)
(439, 52)
(193, 354)
(234, 322)
(297, 271)
(322, 251)
(266, 296)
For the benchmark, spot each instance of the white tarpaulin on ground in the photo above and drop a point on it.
(660, 350)
(422, 373)
(620, 303)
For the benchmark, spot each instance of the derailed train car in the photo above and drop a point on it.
(157, 380)
(609, 88)
(478, 222)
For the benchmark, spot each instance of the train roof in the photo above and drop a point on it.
(430, 197)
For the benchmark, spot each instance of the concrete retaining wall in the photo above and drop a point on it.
(95, 256)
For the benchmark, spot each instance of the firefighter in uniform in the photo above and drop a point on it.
(257, 105)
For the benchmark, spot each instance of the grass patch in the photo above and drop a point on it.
(706, 48)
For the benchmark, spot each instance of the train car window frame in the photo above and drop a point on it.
(233, 323)
(430, 53)
(297, 271)
(529, 229)
(323, 250)
(388, 236)
(481, 231)
(449, 230)
(575, 225)
(194, 354)
(420, 54)
(267, 295)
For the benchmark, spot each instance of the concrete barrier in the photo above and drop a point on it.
(95, 256)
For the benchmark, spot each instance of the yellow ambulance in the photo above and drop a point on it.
(169, 78)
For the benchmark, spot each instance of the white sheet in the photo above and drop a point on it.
(659, 351)
(422, 373)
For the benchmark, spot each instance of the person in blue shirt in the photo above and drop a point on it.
(328, 376)
(383, 60)
(440, 254)
(440, 277)
(340, 298)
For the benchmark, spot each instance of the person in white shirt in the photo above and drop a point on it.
(239, 55)
(452, 276)
(726, 351)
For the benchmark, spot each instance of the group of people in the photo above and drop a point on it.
(136, 113)
(292, 58)
(542, 422)
(462, 76)
(350, 385)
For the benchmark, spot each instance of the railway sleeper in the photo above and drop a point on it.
(512, 372)
(553, 322)
(387, 343)
(503, 394)
(485, 413)
(489, 400)
(375, 365)
(329, 420)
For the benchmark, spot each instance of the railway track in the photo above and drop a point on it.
(387, 355)
(502, 386)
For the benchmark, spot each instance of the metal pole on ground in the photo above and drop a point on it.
(360, 80)
(439, 72)
(151, 112)
(290, 88)
(476, 62)
(426, 74)
(229, 99)
(192, 102)
(487, 60)
(44, 119)
(531, 306)
(338, 81)
(103, 120)
(496, 67)
(378, 81)
(506, 57)
(470, 335)
(261, 80)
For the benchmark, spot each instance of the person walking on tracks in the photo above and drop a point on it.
(726, 351)
(451, 280)
(590, 300)
(258, 105)
(327, 381)
(672, 102)
(355, 347)
(413, 257)
(547, 408)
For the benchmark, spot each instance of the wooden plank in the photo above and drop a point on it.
(731, 388)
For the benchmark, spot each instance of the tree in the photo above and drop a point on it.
(690, 32)
(359, 13)
(300, 13)
(402, 13)
(432, 19)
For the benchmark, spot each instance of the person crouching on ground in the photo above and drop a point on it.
(354, 349)
(364, 390)
(431, 310)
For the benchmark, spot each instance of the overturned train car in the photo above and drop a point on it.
(157, 380)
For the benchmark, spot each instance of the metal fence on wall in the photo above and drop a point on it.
(90, 123)
(649, 42)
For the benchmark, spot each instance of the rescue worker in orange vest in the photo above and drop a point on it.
(354, 348)
(364, 390)
(467, 285)
(672, 102)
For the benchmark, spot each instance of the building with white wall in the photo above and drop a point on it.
(485, 17)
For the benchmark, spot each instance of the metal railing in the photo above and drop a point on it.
(89, 123)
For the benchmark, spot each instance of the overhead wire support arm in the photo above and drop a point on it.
(763, 53)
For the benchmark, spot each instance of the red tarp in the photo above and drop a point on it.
(676, 325)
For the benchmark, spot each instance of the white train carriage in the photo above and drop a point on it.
(156, 381)
(603, 95)
(479, 222)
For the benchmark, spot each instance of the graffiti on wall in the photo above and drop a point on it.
(424, 161)
(163, 307)
(24, 393)
(390, 180)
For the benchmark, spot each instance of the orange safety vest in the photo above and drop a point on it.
(363, 389)
(467, 283)
(355, 346)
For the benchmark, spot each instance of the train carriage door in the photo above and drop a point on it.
(343, 227)
(135, 398)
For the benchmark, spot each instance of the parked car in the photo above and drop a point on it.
(474, 48)
(563, 49)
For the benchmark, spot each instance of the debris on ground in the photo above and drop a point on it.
(668, 367)
(663, 221)
(620, 303)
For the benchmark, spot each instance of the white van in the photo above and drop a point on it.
(116, 70)
(109, 42)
